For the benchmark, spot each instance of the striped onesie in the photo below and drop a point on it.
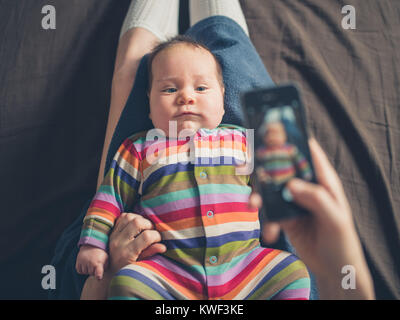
(190, 191)
(283, 162)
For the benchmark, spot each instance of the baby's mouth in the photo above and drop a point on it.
(186, 113)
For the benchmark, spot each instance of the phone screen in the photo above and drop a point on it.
(280, 147)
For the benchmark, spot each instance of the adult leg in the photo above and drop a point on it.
(146, 24)
(139, 33)
(157, 278)
(202, 9)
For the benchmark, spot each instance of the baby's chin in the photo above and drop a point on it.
(275, 143)
(187, 128)
(189, 125)
(175, 129)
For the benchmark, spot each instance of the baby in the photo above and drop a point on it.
(281, 160)
(190, 191)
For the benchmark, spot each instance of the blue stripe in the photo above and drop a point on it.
(165, 171)
(138, 276)
(191, 243)
(212, 242)
(218, 241)
(217, 161)
(278, 268)
(124, 176)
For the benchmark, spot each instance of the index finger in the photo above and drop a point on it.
(124, 219)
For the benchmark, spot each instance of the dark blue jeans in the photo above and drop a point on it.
(242, 70)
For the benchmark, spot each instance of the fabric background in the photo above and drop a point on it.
(54, 100)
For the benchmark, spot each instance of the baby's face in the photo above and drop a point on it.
(185, 88)
(276, 135)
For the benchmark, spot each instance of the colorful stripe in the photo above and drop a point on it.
(200, 207)
(284, 162)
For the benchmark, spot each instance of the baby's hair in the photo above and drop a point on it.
(180, 39)
(263, 130)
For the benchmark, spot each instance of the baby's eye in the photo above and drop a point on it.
(169, 90)
(201, 88)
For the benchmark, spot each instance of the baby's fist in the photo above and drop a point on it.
(91, 261)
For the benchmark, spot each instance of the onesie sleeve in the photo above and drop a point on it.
(302, 164)
(115, 195)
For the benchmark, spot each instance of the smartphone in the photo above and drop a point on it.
(281, 149)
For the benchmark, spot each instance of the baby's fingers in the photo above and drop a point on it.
(81, 268)
(270, 232)
(99, 271)
(255, 200)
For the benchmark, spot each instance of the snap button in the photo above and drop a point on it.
(213, 259)
(203, 175)
(210, 214)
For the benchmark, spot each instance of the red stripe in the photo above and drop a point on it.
(217, 291)
(183, 281)
(162, 145)
(176, 215)
(281, 171)
(129, 146)
(105, 206)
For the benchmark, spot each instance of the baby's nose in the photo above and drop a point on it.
(185, 97)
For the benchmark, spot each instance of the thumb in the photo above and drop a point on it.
(152, 250)
(99, 272)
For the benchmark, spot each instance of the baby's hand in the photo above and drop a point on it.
(92, 261)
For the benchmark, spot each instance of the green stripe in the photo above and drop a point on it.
(91, 233)
(182, 256)
(126, 193)
(138, 138)
(185, 254)
(123, 298)
(216, 170)
(220, 269)
(228, 248)
(107, 189)
(299, 284)
(231, 126)
(172, 178)
(223, 188)
(170, 197)
(96, 224)
(194, 192)
(134, 283)
(278, 164)
(297, 265)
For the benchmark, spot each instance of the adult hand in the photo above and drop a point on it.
(133, 238)
(326, 239)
